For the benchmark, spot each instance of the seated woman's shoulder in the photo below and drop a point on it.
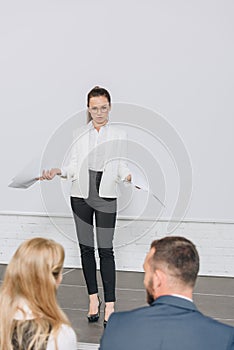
(66, 339)
(67, 330)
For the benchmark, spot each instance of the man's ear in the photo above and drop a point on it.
(158, 278)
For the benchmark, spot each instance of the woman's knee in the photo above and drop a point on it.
(106, 252)
(86, 250)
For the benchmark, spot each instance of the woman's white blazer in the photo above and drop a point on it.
(115, 166)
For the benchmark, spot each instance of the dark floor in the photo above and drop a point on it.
(214, 296)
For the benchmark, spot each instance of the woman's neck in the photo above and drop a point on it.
(98, 126)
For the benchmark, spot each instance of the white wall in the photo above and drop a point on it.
(171, 57)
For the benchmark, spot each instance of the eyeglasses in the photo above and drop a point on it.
(95, 110)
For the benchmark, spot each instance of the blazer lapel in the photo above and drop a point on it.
(112, 144)
(82, 138)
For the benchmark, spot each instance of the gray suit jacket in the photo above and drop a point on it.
(170, 323)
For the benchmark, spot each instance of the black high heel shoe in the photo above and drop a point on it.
(105, 321)
(95, 317)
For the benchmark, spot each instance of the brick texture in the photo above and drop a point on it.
(214, 241)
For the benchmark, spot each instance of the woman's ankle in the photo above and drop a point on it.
(109, 309)
(93, 303)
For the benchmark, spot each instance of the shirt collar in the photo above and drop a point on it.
(91, 127)
(182, 296)
(23, 312)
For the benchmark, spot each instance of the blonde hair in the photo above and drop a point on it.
(31, 275)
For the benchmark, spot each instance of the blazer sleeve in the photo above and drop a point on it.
(69, 171)
(112, 337)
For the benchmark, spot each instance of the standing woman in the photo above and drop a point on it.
(30, 317)
(96, 165)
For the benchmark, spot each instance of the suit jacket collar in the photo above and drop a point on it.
(175, 301)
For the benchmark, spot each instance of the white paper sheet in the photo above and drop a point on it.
(140, 182)
(27, 176)
(145, 189)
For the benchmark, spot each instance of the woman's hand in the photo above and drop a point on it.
(50, 174)
(128, 178)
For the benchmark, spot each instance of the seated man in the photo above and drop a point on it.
(172, 321)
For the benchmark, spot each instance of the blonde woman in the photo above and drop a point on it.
(30, 317)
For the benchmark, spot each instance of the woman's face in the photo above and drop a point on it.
(99, 108)
(59, 279)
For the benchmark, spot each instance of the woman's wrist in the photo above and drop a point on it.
(128, 178)
(58, 171)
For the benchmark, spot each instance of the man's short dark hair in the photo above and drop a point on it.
(179, 255)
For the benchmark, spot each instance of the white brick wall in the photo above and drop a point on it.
(214, 241)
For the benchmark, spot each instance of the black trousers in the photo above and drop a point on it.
(104, 210)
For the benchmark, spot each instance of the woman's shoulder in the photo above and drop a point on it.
(66, 339)
(117, 129)
(80, 130)
(65, 329)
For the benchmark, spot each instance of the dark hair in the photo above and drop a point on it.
(180, 255)
(95, 92)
